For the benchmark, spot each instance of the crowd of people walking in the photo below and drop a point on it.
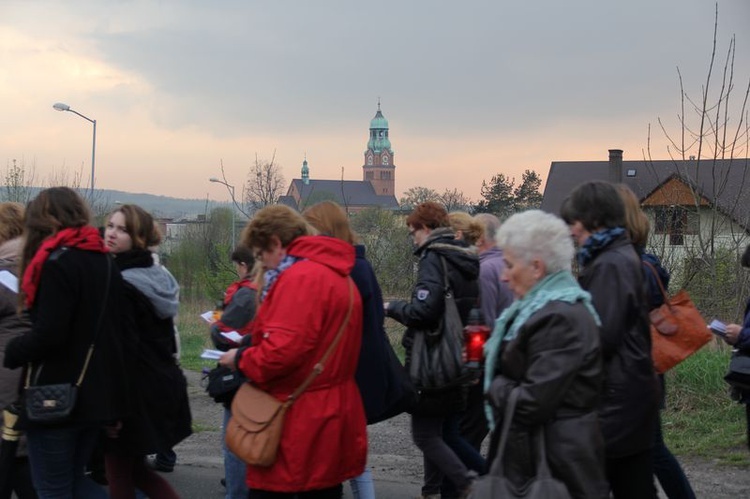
(567, 380)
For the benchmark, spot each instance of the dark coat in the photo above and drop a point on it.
(556, 361)
(377, 383)
(614, 278)
(427, 305)
(69, 300)
(161, 416)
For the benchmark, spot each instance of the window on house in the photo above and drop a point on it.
(677, 222)
(385, 175)
(369, 175)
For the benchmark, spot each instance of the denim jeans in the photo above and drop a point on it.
(235, 470)
(362, 486)
(58, 457)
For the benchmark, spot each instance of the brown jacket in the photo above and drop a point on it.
(11, 325)
(556, 362)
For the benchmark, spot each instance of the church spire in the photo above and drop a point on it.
(305, 172)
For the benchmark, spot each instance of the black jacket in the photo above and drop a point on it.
(556, 362)
(69, 300)
(427, 304)
(161, 412)
(627, 412)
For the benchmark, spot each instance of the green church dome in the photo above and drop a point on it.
(379, 121)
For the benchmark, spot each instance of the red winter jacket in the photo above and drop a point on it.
(325, 440)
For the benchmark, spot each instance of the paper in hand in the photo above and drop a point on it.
(211, 354)
(718, 328)
(208, 316)
(232, 336)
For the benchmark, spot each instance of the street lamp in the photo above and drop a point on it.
(59, 106)
(231, 191)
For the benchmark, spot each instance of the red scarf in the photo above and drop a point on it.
(85, 238)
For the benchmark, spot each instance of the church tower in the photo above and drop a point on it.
(305, 173)
(379, 168)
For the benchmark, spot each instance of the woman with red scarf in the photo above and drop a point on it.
(72, 291)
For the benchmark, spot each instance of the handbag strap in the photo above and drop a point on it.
(510, 408)
(446, 284)
(658, 281)
(542, 467)
(90, 351)
(318, 368)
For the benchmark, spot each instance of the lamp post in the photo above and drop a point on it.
(59, 106)
(231, 191)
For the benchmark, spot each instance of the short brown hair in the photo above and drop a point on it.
(429, 215)
(11, 221)
(140, 226)
(275, 220)
(636, 222)
(330, 219)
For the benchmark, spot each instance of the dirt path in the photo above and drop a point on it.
(394, 458)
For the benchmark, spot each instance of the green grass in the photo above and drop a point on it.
(194, 336)
(700, 419)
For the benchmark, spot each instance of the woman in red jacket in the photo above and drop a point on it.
(305, 298)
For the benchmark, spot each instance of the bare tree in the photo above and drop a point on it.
(416, 195)
(702, 222)
(265, 184)
(18, 182)
(454, 200)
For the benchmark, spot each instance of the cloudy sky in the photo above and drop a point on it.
(470, 88)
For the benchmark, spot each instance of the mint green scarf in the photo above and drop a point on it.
(560, 286)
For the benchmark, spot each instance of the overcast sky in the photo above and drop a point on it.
(470, 89)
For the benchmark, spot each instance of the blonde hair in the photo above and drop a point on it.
(470, 228)
(636, 221)
(11, 221)
(275, 220)
(330, 220)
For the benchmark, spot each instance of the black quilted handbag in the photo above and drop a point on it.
(54, 403)
(50, 403)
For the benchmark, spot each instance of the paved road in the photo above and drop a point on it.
(395, 462)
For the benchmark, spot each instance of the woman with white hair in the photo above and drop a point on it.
(546, 346)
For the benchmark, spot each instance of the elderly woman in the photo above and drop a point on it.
(611, 270)
(546, 346)
(435, 421)
(306, 295)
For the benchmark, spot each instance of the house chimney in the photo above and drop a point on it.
(615, 166)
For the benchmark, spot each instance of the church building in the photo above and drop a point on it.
(376, 189)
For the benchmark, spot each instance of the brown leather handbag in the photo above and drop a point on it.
(254, 431)
(677, 329)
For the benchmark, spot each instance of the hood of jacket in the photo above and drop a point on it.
(158, 285)
(10, 250)
(329, 251)
(457, 253)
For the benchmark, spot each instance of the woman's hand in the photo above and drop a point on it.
(227, 359)
(733, 333)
